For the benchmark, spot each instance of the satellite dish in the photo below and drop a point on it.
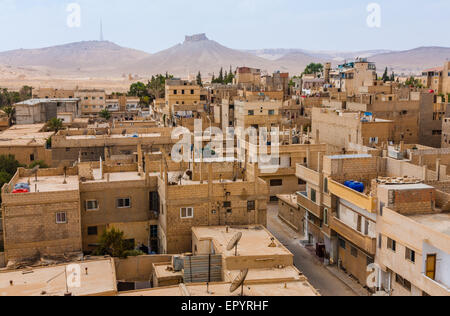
(239, 282)
(234, 242)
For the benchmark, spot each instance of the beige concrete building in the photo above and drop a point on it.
(413, 242)
(51, 93)
(354, 76)
(340, 128)
(28, 143)
(270, 265)
(46, 222)
(92, 101)
(36, 111)
(257, 114)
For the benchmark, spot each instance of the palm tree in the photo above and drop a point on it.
(9, 111)
(54, 124)
(105, 114)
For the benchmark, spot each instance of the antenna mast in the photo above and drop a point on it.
(101, 31)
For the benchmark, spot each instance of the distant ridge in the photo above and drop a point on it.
(85, 56)
(198, 53)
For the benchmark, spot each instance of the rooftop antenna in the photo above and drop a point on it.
(239, 282)
(234, 243)
(101, 31)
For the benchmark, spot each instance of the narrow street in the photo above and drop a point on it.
(319, 276)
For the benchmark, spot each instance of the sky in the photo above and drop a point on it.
(154, 25)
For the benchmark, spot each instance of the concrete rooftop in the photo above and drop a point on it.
(255, 241)
(51, 281)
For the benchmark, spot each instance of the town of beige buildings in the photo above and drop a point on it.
(357, 180)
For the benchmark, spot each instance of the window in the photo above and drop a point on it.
(405, 283)
(354, 252)
(325, 185)
(313, 195)
(276, 183)
(366, 228)
(392, 244)
(153, 231)
(92, 231)
(174, 91)
(92, 205)
(61, 218)
(342, 243)
(251, 205)
(32, 157)
(358, 224)
(273, 198)
(226, 204)
(192, 91)
(380, 241)
(301, 182)
(123, 203)
(187, 212)
(325, 216)
(182, 91)
(271, 112)
(251, 112)
(410, 255)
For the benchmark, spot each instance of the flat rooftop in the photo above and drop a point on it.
(294, 288)
(83, 137)
(52, 100)
(51, 281)
(163, 273)
(24, 135)
(116, 176)
(357, 156)
(291, 199)
(51, 183)
(406, 187)
(438, 222)
(282, 274)
(255, 240)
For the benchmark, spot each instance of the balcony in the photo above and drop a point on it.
(308, 175)
(363, 201)
(305, 202)
(366, 243)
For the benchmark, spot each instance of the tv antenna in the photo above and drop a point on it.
(234, 243)
(239, 282)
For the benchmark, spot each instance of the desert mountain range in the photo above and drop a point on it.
(196, 53)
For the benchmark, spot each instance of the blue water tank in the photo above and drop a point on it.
(354, 185)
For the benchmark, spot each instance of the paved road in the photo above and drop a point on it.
(319, 276)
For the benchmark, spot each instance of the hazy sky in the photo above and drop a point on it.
(153, 25)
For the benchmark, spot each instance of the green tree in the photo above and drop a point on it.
(313, 68)
(10, 112)
(113, 243)
(8, 167)
(385, 75)
(105, 114)
(55, 124)
(199, 79)
(39, 163)
(220, 78)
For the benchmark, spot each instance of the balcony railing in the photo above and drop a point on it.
(363, 201)
(308, 175)
(366, 243)
(305, 202)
